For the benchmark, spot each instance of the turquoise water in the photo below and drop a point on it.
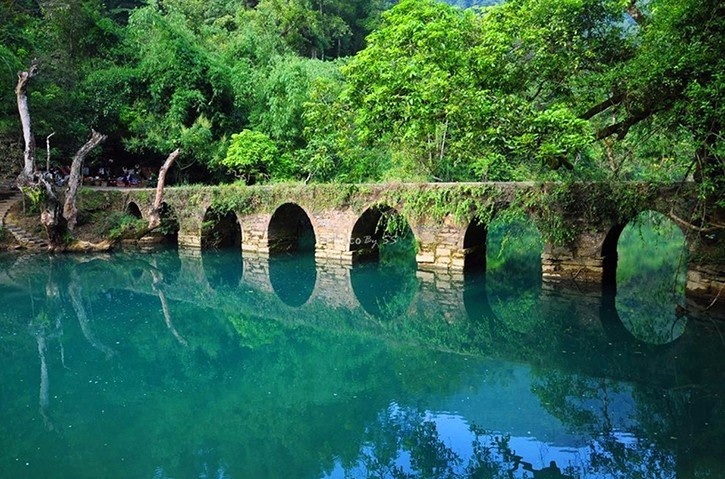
(179, 365)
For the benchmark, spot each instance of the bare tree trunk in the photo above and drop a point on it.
(52, 215)
(70, 212)
(21, 92)
(155, 213)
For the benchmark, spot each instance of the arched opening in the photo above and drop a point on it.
(293, 275)
(290, 230)
(384, 276)
(513, 273)
(474, 246)
(133, 210)
(220, 230)
(645, 272)
(169, 228)
(382, 234)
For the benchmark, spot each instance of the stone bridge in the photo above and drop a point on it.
(580, 223)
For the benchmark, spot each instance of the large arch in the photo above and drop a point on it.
(379, 228)
(644, 276)
(220, 230)
(290, 230)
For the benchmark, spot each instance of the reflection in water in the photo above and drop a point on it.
(384, 290)
(223, 267)
(293, 277)
(242, 381)
(513, 273)
(651, 279)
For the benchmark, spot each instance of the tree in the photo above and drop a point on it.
(252, 156)
(171, 93)
(32, 182)
(432, 83)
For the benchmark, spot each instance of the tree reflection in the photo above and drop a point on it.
(326, 389)
(405, 443)
(651, 278)
(513, 273)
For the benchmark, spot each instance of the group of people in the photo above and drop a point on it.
(133, 176)
(130, 176)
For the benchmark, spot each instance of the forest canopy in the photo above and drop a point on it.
(371, 90)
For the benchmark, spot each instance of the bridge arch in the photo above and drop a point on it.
(474, 246)
(169, 223)
(220, 230)
(380, 226)
(645, 276)
(290, 229)
(133, 209)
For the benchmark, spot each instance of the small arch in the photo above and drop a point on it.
(645, 272)
(169, 228)
(381, 228)
(290, 230)
(220, 230)
(474, 246)
(133, 210)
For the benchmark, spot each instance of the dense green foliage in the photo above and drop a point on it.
(369, 90)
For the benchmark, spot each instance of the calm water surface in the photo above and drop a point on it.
(175, 365)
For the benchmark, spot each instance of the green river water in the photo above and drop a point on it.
(173, 364)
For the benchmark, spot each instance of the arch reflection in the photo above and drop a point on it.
(513, 273)
(223, 268)
(293, 277)
(645, 277)
(384, 290)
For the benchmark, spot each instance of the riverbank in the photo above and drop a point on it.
(99, 220)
